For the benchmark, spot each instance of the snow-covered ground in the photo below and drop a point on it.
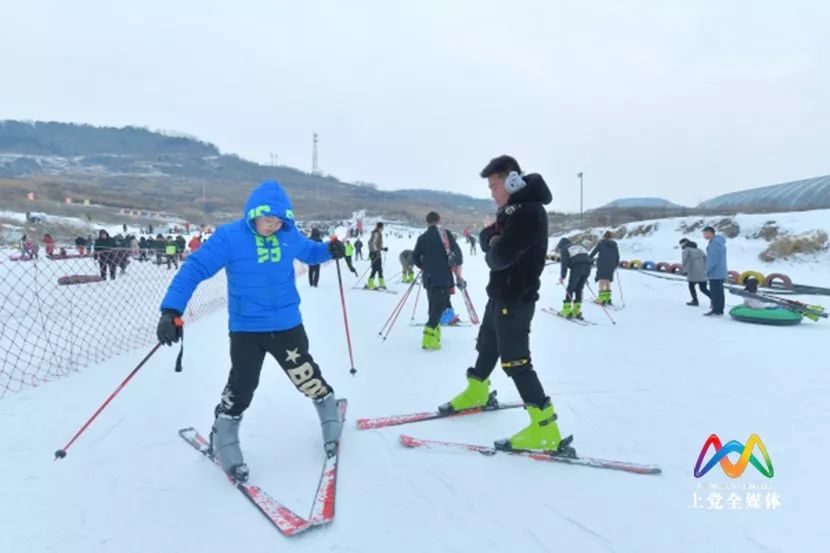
(651, 389)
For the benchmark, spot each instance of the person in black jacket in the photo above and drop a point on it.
(574, 257)
(314, 270)
(515, 247)
(358, 249)
(438, 256)
(105, 251)
(607, 261)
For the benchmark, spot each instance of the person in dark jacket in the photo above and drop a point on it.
(358, 249)
(573, 257)
(105, 253)
(608, 259)
(694, 267)
(142, 249)
(81, 244)
(181, 244)
(314, 270)
(257, 253)
(515, 247)
(438, 256)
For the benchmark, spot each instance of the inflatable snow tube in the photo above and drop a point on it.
(663, 267)
(746, 274)
(775, 316)
(733, 277)
(635, 264)
(78, 279)
(624, 264)
(649, 266)
(676, 268)
(786, 282)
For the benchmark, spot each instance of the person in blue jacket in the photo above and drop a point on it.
(257, 253)
(715, 270)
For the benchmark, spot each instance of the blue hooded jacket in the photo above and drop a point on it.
(262, 295)
(716, 258)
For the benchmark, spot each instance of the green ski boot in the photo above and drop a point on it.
(381, 284)
(567, 310)
(576, 312)
(542, 434)
(476, 395)
(431, 339)
(370, 284)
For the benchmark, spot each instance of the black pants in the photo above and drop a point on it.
(289, 348)
(505, 334)
(313, 275)
(576, 282)
(716, 294)
(348, 259)
(472, 248)
(439, 299)
(358, 254)
(377, 264)
(105, 259)
(171, 258)
(703, 290)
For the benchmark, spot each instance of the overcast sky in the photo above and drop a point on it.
(683, 100)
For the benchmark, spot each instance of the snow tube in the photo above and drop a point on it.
(776, 316)
(59, 257)
(786, 282)
(635, 264)
(623, 264)
(676, 268)
(746, 274)
(649, 266)
(733, 276)
(19, 258)
(79, 279)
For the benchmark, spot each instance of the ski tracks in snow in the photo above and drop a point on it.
(599, 538)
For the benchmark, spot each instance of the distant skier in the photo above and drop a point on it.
(472, 241)
(515, 247)
(105, 251)
(257, 253)
(49, 244)
(195, 243)
(694, 267)
(407, 264)
(314, 270)
(376, 250)
(608, 259)
(170, 253)
(573, 257)
(358, 249)
(436, 263)
(715, 270)
(348, 257)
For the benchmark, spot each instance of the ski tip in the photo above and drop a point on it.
(409, 441)
(187, 430)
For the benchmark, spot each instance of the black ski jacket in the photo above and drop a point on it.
(430, 256)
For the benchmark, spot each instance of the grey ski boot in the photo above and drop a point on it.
(330, 422)
(224, 443)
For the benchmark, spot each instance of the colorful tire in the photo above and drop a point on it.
(624, 265)
(663, 267)
(649, 266)
(746, 274)
(79, 279)
(786, 282)
(635, 264)
(676, 268)
(776, 316)
(733, 277)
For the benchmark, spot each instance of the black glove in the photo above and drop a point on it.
(461, 283)
(386, 249)
(168, 331)
(337, 249)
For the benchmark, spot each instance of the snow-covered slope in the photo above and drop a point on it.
(743, 250)
(651, 388)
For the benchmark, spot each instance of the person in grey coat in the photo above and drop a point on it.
(694, 267)
(608, 258)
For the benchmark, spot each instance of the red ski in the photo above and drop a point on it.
(411, 442)
(396, 420)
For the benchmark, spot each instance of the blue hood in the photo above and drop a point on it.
(269, 199)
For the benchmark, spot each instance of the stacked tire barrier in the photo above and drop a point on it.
(58, 316)
(774, 280)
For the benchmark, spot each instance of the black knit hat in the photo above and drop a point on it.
(433, 217)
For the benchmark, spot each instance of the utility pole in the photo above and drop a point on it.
(315, 169)
(581, 218)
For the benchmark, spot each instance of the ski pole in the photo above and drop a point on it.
(362, 275)
(397, 309)
(352, 371)
(61, 453)
(596, 299)
(619, 284)
(417, 295)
